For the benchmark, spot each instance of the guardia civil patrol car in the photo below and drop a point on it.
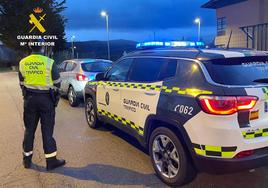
(194, 109)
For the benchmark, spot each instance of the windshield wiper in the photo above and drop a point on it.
(262, 80)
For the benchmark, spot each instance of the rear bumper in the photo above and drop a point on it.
(223, 166)
(79, 87)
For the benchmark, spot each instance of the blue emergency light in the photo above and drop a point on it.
(158, 44)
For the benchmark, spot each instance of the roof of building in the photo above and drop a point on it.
(215, 4)
(200, 54)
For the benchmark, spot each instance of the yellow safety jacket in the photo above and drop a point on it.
(37, 72)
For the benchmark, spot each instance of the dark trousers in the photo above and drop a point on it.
(39, 107)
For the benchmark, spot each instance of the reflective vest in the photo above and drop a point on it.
(37, 72)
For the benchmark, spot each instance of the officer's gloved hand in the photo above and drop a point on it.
(57, 97)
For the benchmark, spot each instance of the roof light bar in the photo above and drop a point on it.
(157, 44)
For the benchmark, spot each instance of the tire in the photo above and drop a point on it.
(183, 170)
(91, 114)
(72, 97)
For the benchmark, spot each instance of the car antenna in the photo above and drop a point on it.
(228, 44)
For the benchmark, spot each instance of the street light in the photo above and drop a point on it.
(72, 40)
(104, 14)
(75, 50)
(198, 21)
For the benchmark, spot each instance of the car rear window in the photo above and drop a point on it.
(239, 71)
(99, 66)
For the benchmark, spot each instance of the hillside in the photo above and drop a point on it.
(98, 49)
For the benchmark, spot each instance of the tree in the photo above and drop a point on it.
(14, 21)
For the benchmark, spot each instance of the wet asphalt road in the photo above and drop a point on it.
(95, 158)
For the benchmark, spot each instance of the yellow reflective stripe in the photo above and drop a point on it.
(141, 132)
(265, 134)
(213, 148)
(123, 121)
(27, 154)
(176, 89)
(49, 72)
(227, 154)
(259, 131)
(200, 151)
(265, 91)
(250, 136)
(188, 91)
(255, 134)
(43, 88)
(214, 151)
(54, 154)
(21, 68)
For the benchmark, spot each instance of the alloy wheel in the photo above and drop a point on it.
(165, 156)
(71, 95)
(90, 113)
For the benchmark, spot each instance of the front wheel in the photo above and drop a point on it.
(91, 114)
(170, 161)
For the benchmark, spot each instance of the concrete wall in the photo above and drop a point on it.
(264, 11)
(251, 12)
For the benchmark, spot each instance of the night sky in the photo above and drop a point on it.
(139, 19)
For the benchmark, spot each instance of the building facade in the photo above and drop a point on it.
(242, 22)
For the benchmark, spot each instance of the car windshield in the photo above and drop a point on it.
(239, 71)
(98, 66)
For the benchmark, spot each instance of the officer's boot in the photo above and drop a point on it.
(53, 163)
(27, 161)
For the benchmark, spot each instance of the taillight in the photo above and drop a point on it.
(243, 154)
(81, 77)
(226, 105)
(246, 103)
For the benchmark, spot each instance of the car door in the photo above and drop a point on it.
(141, 98)
(66, 76)
(63, 76)
(109, 93)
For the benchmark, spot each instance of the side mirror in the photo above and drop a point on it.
(99, 76)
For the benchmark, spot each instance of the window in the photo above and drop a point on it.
(190, 73)
(62, 67)
(221, 26)
(100, 66)
(70, 66)
(239, 71)
(119, 71)
(169, 70)
(152, 69)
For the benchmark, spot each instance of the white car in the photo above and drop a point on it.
(76, 73)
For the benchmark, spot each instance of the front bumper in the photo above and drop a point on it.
(223, 166)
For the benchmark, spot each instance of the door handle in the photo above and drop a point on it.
(116, 89)
(149, 94)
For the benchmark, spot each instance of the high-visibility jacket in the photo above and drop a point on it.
(37, 72)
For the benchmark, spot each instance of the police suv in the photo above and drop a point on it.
(194, 109)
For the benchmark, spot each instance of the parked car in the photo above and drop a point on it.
(76, 73)
(195, 110)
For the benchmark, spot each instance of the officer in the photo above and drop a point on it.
(40, 82)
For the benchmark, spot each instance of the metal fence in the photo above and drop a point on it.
(257, 36)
